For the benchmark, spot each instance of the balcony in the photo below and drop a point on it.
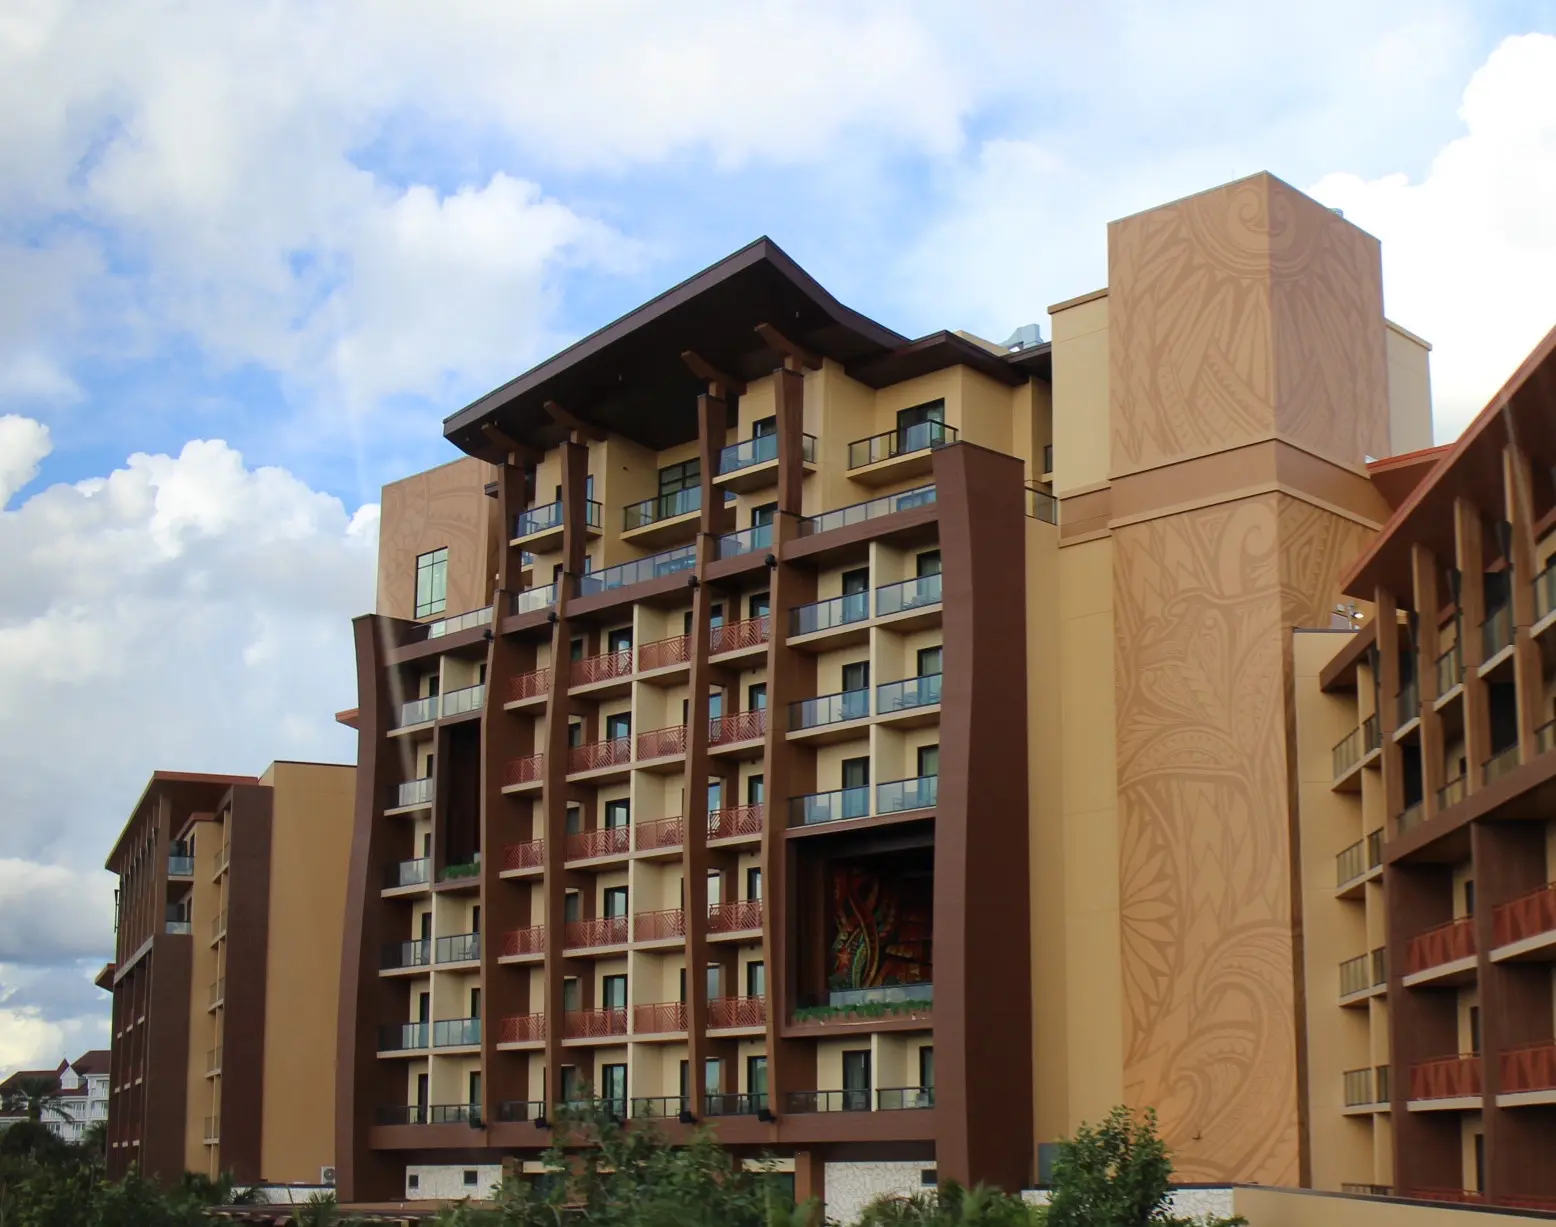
(1451, 793)
(1545, 593)
(1367, 1087)
(899, 796)
(522, 1029)
(213, 1060)
(828, 709)
(606, 667)
(527, 687)
(413, 793)
(1496, 633)
(747, 636)
(401, 956)
(532, 600)
(1410, 817)
(458, 948)
(456, 1033)
(1499, 764)
(804, 1103)
(520, 772)
(907, 695)
(753, 540)
(1348, 753)
(910, 594)
(1358, 864)
(417, 711)
(596, 933)
(521, 858)
(523, 943)
(829, 615)
(594, 1024)
(1407, 706)
(662, 743)
(212, 1131)
(520, 1111)
(1440, 952)
(1450, 671)
(736, 822)
(180, 861)
(1447, 1078)
(417, 872)
(727, 1013)
(1529, 1068)
(836, 806)
(460, 622)
(660, 1107)
(752, 463)
(591, 845)
(537, 522)
(626, 574)
(407, 1037)
(738, 916)
(423, 1114)
(733, 1104)
(737, 728)
(661, 1018)
(660, 926)
(664, 653)
(858, 513)
(1528, 918)
(1364, 976)
(1043, 506)
(464, 700)
(218, 993)
(599, 755)
(898, 453)
(178, 928)
(659, 835)
(899, 1098)
(665, 520)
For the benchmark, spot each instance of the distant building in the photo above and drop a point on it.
(83, 1086)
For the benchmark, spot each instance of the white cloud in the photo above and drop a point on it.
(51, 913)
(23, 445)
(1469, 251)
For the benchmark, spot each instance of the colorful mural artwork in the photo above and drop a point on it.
(882, 927)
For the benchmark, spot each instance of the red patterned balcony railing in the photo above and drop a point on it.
(661, 833)
(737, 1011)
(1458, 1197)
(1455, 1077)
(1527, 1201)
(607, 841)
(530, 855)
(601, 668)
(1444, 944)
(657, 926)
(522, 1029)
(735, 916)
(733, 636)
(614, 753)
(742, 726)
(524, 941)
(663, 652)
(1527, 916)
(528, 685)
(736, 820)
(663, 1018)
(601, 931)
(1530, 1068)
(594, 1024)
(524, 770)
(661, 743)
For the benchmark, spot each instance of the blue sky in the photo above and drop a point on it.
(264, 249)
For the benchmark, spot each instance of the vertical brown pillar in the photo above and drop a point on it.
(1423, 568)
(1469, 537)
(1526, 653)
(1385, 630)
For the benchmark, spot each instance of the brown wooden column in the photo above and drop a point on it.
(1526, 653)
(1469, 536)
(1423, 566)
(1385, 627)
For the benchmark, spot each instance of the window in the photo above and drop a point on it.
(618, 814)
(759, 605)
(763, 427)
(856, 582)
(929, 760)
(474, 1087)
(615, 901)
(575, 649)
(763, 515)
(426, 926)
(1474, 1028)
(1469, 896)
(754, 882)
(572, 908)
(574, 819)
(424, 1007)
(716, 615)
(470, 1173)
(475, 1003)
(613, 992)
(618, 726)
(432, 583)
(574, 1089)
(572, 996)
(421, 1093)
(756, 979)
(715, 795)
(715, 887)
(856, 1080)
(682, 997)
(928, 661)
(926, 1067)
(756, 697)
(713, 1075)
(921, 426)
(575, 732)
(674, 478)
(714, 982)
(426, 845)
(856, 772)
(619, 640)
(756, 1076)
(928, 563)
(857, 675)
(475, 918)
(756, 790)
(413, 1180)
(613, 1088)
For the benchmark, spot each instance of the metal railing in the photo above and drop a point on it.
(402, 1114)
(180, 864)
(531, 940)
(909, 594)
(601, 931)
(895, 796)
(414, 792)
(531, 854)
(1407, 703)
(1451, 1077)
(524, 770)
(1347, 752)
(617, 752)
(899, 1098)
(397, 955)
(662, 653)
(461, 622)
(658, 1107)
(538, 519)
(726, 1012)
(659, 926)
(663, 507)
(1529, 1067)
(623, 575)
(533, 599)
(903, 441)
(746, 541)
(730, 1103)
(407, 1037)
(1444, 943)
(1496, 631)
(1372, 734)
(738, 726)
(466, 698)
(594, 1024)
(1500, 763)
(1450, 669)
(607, 666)
(408, 873)
(1451, 793)
(829, 709)
(736, 821)
(458, 948)
(1545, 591)
(1358, 1087)
(659, 834)
(858, 513)
(522, 1029)
(921, 691)
(1358, 975)
(520, 1111)
(1526, 916)
(882, 994)
(528, 685)
(735, 636)
(452, 1113)
(456, 1032)
(800, 1103)
(179, 928)
(759, 449)
(835, 806)
(828, 614)
(1042, 506)
(662, 743)
(417, 711)
(659, 1018)
(1351, 863)
(602, 841)
(735, 916)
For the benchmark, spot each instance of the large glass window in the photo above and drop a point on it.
(615, 901)
(756, 979)
(618, 814)
(674, 478)
(613, 991)
(613, 1088)
(432, 583)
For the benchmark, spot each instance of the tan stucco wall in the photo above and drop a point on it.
(1293, 1208)
(1080, 395)
(445, 506)
(1410, 391)
(310, 847)
(203, 1095)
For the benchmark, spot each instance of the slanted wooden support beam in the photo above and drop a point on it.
(581, 429)
(794, 356)
(720, 385)
(518, 453)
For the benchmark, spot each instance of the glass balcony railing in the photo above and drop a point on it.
(1497, 630)
(895, 796)
(1042, 506)
(417, 711)
(532, 599)
(858, 513)
(1450, 670)
(181, 928)
(819, 807)
(463, 622)
(456, 1032)
(1545, 591)
(538, 519)
(465, 699)
(407, 1037)
(1500, 763)
(1408, 703)
(180, 865)
(408, 873)
(414, 792)
(400, 955)
(760, 449)
(829, 709)
(895, 1098)
(900, 442)
(909, 594)
(458, 948)
(746, 541)
(665, 507)
(1347, 752)
(683, 558)
(825, 615)
(907, 694)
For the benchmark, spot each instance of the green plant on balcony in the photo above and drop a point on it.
(862, 1011)
(468, 870)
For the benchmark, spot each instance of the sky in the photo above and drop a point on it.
(252, 254)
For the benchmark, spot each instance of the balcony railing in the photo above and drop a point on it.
(738, 636)
(922, 691)
(1451, 793)
(213, 1060)
(664, 507)
(533, 599)
(179, 928)
(458, 948)
(408, 873)
(452, 1113)
(212, 1132)
(726, 1012)
(601, 931)
(522, 1029)
(528, 855)
(1407, 703)
(881, 994)
(658, 1107)
(909, 594)
(858, 513)
(1347, 752)
(662, 653)
(900, 442)
(659, 834)
(1545, 591)
(603, 841)
(602, 668)
(736, 820)
(896, 796)
(829, 709)
(659, 926)
(397, 955)
(180, 865)
(529, 685)
(461, 622)
(803, 1103)
(456, 1032)
(407, 1037)
(826, 615)
(531, 940)
(899, 1098)
(833, 806)
(747, 541)
(414, 792)
(417, 711)
(662, 743)
(594, 1024)
(538, 519)
(1372, 734)
(1361, 857)
(1411, 816)
(614, 753)
(1446, 943)
(1042, 506)
(741, 726)
(524, 770)
(1363, 972)
(1450, 669)
(403, 1114)
(735, 916)
(1545, 737)
(1531, 1067)
(660, 1018)
(218, 991)
(1357, 1085)
(1496, 631)
(465, 699)
(683, 558)
(1452, 1077)
(1527, 916)
(218, 924)
(759, 449)
(734, 1104)
(1500, 763)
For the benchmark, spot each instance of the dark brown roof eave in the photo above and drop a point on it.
(935, 352)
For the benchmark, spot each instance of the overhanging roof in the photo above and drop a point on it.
(189, 790)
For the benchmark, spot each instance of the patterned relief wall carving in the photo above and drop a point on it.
(446, 506)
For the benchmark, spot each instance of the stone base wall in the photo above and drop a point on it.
(853, 1186)
(448, 1182)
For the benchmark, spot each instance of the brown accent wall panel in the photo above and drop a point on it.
(248, 949)
(166, 1042)
(445, 506)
